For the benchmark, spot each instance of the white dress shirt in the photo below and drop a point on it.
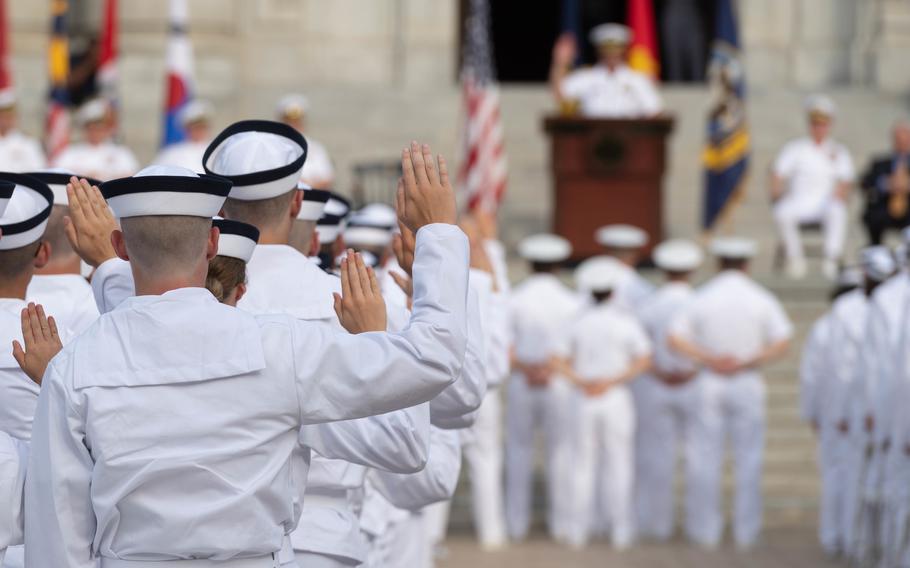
(733, 316)
(20, 153)
(812, 171)
(814, 368)
(604, 342)
(622, 93)
(120, 422)
(656, 316)
(842, 357)
(67, 297)
(186, 154)
(103, 161)
(541, 309)
(19, 395)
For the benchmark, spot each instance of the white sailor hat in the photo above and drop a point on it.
(237, 240)
(57, 179)
(292, 106)
(313, 204)
(27, 210)
(166, 190)
(734, 248)
(7, 98)
(878, 263)
(678, 255)
(599, 275)
(372, 226)
(616, 34)
(262, 158)
(334, 218)
(545, 248)
(94, 110)
(197, 110)
(849, 277)
(621, 237)
(369, 258)
(820, 105)
(6, 192)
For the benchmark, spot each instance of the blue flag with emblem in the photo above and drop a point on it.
(726, 153)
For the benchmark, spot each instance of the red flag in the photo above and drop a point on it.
(107, 57)
(6, 78)
(643, 51)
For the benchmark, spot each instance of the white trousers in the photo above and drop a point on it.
(790, 213)
(671, 422)
(604, 440)
(735, 410)
(528, 410)
(835, 451)
(483, 454)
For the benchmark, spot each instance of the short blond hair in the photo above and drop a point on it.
(262, 213)
(166, 243)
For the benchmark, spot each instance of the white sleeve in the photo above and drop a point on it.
(112, 283)
(648, 97)
(396, 441)
(809, 369)
(844, 166)
(785, 163)
(461, 399)
(396, 370)
(575, 84)
(496, 252)
(639, 342)
(36, 157)
(777, 325)
(60, 526)
(13, 461)
(435, 483)
(127, 164)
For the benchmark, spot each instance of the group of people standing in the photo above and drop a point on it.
(623, 379)
(854, 381)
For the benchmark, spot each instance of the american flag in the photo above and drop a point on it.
(483, 173)
(57, 130)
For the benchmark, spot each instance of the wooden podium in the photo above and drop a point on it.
(607, 171)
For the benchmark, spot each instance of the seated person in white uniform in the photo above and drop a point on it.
(609, 89)
(97, 156)
(18, 152)
(318, 172)
(196, 119)
(811, 182)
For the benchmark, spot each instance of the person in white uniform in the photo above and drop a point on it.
(59, 285)
(622, 249)
(330, 229)
(732, 328)
(601, 352)
(810, 183)
(196, 119)
(18, 152)
(672, 424)
(13, 462)
(272, 366)
(833, 390)
(609, 89)
(541, 309)
(98, 155)
(318, 172)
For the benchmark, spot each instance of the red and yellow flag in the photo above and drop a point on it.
(643, 51)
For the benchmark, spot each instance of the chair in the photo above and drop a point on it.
(813, 248)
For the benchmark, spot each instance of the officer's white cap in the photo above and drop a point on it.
(166, 190)
(237, 240)
(878, 263)
(262, 158)
(7, 98)
(678, 255)
(734, 248)
(372, 226)
(545, 248)
(197, 110)
(600, 275)
(621, 237)
(334, 218)
(292, 106)
(313, 205)
(617, 34)
(94, 110)
(27, 210)
(849, 277)
(820, 105)
(6, 193)
(369, 258)
(56, 179)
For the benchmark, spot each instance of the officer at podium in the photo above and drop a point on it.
(609, 89)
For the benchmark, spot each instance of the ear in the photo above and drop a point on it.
(211, 249)
(239, 291)
(314, 244)
(296, 202)
(119, 244)
(43, 254)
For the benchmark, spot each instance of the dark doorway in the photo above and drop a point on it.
(523, 32)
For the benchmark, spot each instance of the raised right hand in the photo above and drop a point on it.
(90, 223)
(425, 197)
(565, 50)
(360, 307)
(42, 342)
